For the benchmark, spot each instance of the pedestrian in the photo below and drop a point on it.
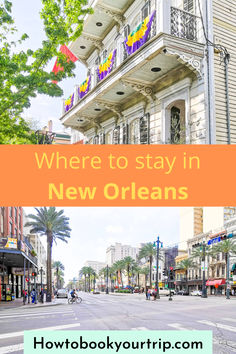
(149, 293)
(33, 296)
(154, 293)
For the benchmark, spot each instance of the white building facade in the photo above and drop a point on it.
(118, 251)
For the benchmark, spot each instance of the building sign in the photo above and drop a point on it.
(214, 240)
(20, 271)
(10, 243)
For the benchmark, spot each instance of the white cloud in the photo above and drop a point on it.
(114, 229)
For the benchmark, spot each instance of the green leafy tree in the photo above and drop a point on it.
(23, 74)
(55, 225)
(119, 267)
(88, 273)
(59, 267)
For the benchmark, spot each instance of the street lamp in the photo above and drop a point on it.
(157, 245)
(107, 290)
(204, 289)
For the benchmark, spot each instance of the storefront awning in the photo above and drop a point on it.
(215, 282)
(234, 267)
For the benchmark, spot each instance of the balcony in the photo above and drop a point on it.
(172, 51)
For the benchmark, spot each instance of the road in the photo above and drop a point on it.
(124, 312)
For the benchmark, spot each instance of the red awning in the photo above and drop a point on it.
(215, 282)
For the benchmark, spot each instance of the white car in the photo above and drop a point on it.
(62, 293)
(196, 293)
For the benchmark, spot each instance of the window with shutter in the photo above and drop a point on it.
(96, 140)
(146, 10)
(175, 125)
(125, 134)
(145, 129)
(104, 55)
(116, 136)
(189, 5)
(126, 31)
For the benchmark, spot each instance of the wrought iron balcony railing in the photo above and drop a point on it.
(184, 24)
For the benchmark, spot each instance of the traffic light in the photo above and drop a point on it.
(223, 237)
(171, 273)
(164, 272)
(34, 274)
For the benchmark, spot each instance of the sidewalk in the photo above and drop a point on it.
(18, 303)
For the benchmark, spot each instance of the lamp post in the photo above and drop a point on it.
(107, 290)
(227, 279)
(204, 290)
(41, 284)
(157, 243)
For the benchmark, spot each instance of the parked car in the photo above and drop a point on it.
(164, 291)
(183, 292)
(62, 293)
(196, 293)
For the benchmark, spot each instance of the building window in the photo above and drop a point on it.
(146, 10)
(10, 229)
(19, 221)
(96, 140)
(15, 215)
(104, 55)
(102, 138)
(135, 132)
(175, 125)
(145, 129)
(125, 133)
(126, 31)
(116, 136)
(223, 271)
(218, 272)
(189, 5)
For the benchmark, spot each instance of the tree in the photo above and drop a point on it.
(59, 267)
(23, 74)
(53, 224)
(128, 262)
(118, 268)
(228, 248)
(185, 265)
(87, 271)
(136, 270)
(148, 252)
(145, 272)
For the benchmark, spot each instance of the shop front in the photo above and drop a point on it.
(216, 286)
(15, 270)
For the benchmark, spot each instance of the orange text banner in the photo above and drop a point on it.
(95, 175)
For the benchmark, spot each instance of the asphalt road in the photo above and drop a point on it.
(124, 312)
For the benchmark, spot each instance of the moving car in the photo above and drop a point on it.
(62, 293)
(196, 293)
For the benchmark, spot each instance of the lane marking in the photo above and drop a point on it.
(55, 328)
(139, 329)
(229, 319)
(218, 325)
(12, 348)
(179, 327)
(32, 314)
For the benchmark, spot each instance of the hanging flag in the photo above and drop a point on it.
(69, 103)
(139, 36)
(106, 67)
(71, 57)
(84, 87)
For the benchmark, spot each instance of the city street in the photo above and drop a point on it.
(124, 312)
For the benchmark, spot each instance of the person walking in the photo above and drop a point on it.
(33, 296)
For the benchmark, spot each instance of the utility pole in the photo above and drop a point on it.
(204, 290)
(157, 243)
(41, 281)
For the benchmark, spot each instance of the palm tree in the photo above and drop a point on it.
(128, 262)
(136, 270)
(60, 278)
(148, 252)
(145, 272)
(87, 271)
(185, 265)
(84, 272)
(53, 224)
(228, 248)
(119, 267)
(58, 266)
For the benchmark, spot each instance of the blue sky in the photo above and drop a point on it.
(43, 108)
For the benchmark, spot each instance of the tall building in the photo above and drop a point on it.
(194, 221)
(165, 85)
(97, 266)
(118, 251)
